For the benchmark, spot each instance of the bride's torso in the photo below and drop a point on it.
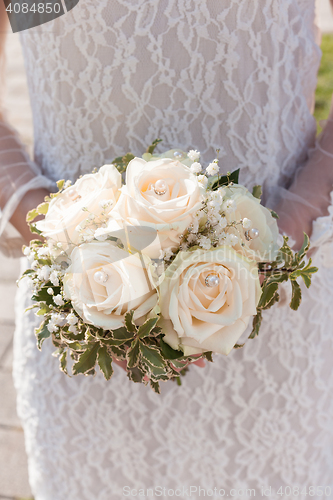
(111, 76)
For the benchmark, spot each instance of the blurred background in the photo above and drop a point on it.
(13, 465)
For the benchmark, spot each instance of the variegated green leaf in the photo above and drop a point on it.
(257, 191)
(256, 325)
(129, 322)
(42, 333)
(168, 352)
(145, 329)
(296, 296)
(87, 360)
(133, 354)
(105, 362)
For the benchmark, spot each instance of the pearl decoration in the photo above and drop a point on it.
(212, 280)
(101, 277)
(178, 155)
(160, 187)
(72, 193)
(252, 234)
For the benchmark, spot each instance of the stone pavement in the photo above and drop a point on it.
(13, 463)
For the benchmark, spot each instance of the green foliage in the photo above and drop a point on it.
(105, 362)
(122, 162)
(153, 145)
(296, 295)
(274, 214)
(325, 81)
(133, 354)
(257, 191)
(288, 267)
(168, 352)
(60, 184)
(40, 210)
(87, 359)
(42, 333)
(146, 329)
(225, 180)
(256, 325)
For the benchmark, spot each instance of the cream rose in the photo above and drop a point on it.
(207, 299)
(65, 212)
(104, 282)
(161, 194)
(262, 247)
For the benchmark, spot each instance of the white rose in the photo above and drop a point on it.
(65, 210)
(264, 247)
(171, 211)
(104, 283)
(198, 318)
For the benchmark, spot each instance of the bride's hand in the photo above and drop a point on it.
(310, 194)
(31, 200)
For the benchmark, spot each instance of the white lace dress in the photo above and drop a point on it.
(109, 77)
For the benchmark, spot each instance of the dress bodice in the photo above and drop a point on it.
(111, 76)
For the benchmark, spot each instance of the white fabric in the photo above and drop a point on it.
(109, 77)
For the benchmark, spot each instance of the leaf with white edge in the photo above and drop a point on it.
(151, 355)
(285, 253)
(305, 247)
(153, 145)
(63, 362)
(28, 271)
(155, 386)
(135, 374)
(118, 352)
(43, 309)
(87, 360)
(168, 352)
(278, 277)
(296, 296)
(238, 346)
(208, 355)
(60, 184)
(34, 229)
(268, 292)
(129, 322)
(145, 329)
(42, 209)
(256, 325)
(105, 362)
(179, 364)
(133, 354)
(257, 191)
(42, 333)
(31, 215)
(305, 273)
(119, 337)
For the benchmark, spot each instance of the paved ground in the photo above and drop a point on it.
(13, 464)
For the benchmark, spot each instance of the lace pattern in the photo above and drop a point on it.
(108, 81)
(106, 78)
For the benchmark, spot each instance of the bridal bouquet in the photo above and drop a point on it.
(159, 271)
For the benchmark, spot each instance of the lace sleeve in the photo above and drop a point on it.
(18, 175)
